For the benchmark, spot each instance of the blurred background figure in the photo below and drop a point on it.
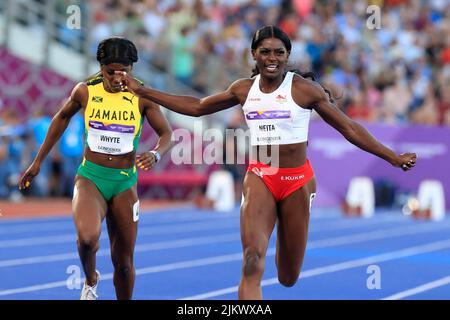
(38, 126)
(70, 155)
(12, 151)
(182, 64)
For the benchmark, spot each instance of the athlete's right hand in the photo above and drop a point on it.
(28, 176)
(406, 161)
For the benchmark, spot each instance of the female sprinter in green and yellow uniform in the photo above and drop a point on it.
(105, 185)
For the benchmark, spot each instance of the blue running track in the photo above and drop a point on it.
(185, 253)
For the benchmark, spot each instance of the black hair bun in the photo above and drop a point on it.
(117, 50)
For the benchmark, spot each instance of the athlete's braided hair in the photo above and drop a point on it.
(275, 32)
(117, 50)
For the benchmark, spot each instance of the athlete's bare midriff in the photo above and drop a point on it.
(123, 161)
(289, 155)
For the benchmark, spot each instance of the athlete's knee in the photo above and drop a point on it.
(288, 279)
(123, 266)
(124, 270)
(253, 262)
(88, 241)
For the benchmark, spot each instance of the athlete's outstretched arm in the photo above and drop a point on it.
(187, 105)
(159, 123)
(353, 131)
(57, 127)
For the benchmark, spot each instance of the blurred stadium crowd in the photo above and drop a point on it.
(397, 74)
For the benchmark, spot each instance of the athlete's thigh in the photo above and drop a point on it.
(88, 205)
(292, 226)
(258, 212)
(123, 218)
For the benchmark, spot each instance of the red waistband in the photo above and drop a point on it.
(298, 170)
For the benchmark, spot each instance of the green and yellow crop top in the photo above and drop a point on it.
(113, 121)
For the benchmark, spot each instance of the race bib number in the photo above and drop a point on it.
(110, 139)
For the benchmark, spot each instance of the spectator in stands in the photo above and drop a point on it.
(12, 148)
(332, 35)
(359, 109)
(39, 125)
(183, 57)
(396, 100)
(4, 167)
(426, 113)
(71, 154)
(444, 105)
(4, 156)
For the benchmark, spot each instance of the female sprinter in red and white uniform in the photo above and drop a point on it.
(277, 106)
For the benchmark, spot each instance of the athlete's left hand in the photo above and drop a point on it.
(128, 83)
(146, 160)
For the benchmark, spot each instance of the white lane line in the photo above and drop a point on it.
(184, 227)
(415, 250)
(141, 271)
(184, 214)
(38, 287)
(165, 213)
(346, 224)
(37, 241)
(66, 225)
(154, 218)
(313, 244)
(41, 227)
(376, 235)
(182, 243)
(425, 287)
(398, 254)
(181, 228)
